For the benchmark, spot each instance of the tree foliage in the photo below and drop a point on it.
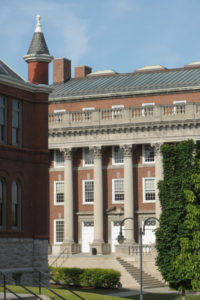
(175, 232)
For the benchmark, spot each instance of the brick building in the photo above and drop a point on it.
(24, 163)
(105, 133)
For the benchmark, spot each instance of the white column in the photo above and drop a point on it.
(98, 195)
(159, 175)
(68, 204)
(68, 198)
(128, 194)
(98, 242)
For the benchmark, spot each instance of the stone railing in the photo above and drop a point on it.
(142, 114)
(147, 250)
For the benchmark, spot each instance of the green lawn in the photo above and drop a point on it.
(92, 294)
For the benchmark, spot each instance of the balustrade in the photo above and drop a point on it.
(133, 115)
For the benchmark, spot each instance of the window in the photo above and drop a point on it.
(2, 119)
(179, 107)
(88, 191)
(58, 115)
(147, 109)
(16, 122)
(58, 159)
(87, 113)
(149, 194)
(58, 231)
(117, 155)
(16, 205)
(88, 157)
(148, 154)
(58, 192)
(2, 204)
(118, 190)
(117, 111)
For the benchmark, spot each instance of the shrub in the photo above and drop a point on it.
(100, 278)
(97, 278)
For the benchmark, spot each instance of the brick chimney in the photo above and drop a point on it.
(61, 70)
(81, 72)
(38, 57)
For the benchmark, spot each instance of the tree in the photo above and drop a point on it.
(187, 263)
(179, 164)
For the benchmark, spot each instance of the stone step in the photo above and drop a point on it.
(148, 280)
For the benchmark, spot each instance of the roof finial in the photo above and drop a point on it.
(38, 25)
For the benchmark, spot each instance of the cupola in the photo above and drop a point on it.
(38, 57)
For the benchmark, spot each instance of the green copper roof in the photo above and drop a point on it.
(134, 82)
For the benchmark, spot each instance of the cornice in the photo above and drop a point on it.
(26, 86)
(123, 128)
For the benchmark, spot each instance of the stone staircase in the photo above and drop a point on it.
(148, 280)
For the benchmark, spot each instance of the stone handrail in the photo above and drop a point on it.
(142, 114)
(147, 250)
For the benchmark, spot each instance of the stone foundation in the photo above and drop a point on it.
(22, 259)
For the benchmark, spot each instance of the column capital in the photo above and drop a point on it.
(157, 148)
(67, 153)
(128, 150)
(97, 150)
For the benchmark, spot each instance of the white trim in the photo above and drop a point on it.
(83, 157)
(179, 101)
(113, 157)
(113, 190)
(143, 190)
(88, 108)
(116, 112)
(54, 192)
(54, 231)
(83, 192)
(143, 155)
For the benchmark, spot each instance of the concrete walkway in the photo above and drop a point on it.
(23, 296)
(162, 290)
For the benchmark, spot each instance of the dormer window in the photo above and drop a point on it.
(147, 109)
(179, 107)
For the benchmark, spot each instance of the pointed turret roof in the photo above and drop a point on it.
(38, 44)
(38, 50)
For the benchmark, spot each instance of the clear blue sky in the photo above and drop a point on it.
(104, 34)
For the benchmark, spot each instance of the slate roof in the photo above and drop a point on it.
(38, 44)
(5, 70)
(132, 82)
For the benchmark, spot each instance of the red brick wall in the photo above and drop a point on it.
(27, 163)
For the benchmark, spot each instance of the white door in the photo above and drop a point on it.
(87, 235)
(149, 237)
(115, 227)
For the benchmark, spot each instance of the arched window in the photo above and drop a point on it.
(2, 203)
(16, 205)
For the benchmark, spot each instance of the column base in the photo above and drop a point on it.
(99, 247)
(70, 247)
(125, 249)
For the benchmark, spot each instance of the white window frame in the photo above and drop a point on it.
(144, 157)
(114, 158)
(114, 192)
(177, 103)
(144, 191)
(55, 194)
(56, 164)
(151, 104)
(87, 113)
(116, 111)
(55, 232)
(85, 164)
(83, 189)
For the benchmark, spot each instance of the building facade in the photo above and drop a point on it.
(24, 163)
(105, 134)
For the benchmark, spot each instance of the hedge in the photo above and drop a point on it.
(94, 277)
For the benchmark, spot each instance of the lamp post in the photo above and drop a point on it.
(121, 239)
